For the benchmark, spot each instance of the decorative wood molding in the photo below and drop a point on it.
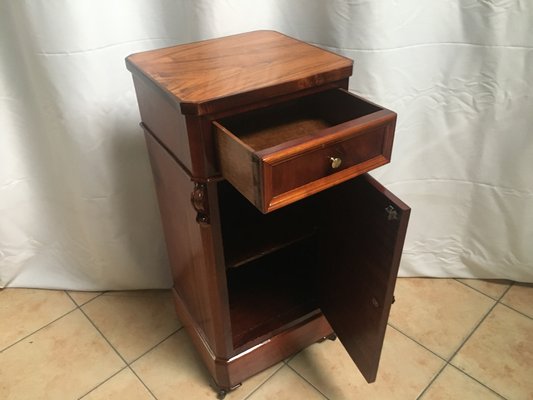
(200, 203)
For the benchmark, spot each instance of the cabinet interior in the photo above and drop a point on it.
(271, 262)
(271, 126)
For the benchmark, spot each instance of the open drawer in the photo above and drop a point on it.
(280, 154)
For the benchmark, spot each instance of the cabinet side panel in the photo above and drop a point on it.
(191, 250)
(164, 120)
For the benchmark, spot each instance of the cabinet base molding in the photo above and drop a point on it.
(229, 373)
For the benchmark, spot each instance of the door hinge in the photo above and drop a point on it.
(392, 214)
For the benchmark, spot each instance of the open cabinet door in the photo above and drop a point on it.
(362, 232)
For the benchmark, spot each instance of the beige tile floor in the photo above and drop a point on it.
(447, 339)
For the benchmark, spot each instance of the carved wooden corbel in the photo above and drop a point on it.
(200, 203)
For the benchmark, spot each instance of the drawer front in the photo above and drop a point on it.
(324, 161)
(281, 154)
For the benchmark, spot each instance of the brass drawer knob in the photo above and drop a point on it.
(335, 162)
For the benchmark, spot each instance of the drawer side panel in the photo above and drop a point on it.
(238, 164)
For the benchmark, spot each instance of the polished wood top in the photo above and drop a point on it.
(248, 66)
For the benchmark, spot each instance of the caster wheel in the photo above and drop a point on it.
(221, 394)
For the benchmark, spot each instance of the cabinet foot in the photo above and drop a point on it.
(222, 392)
(331, 337)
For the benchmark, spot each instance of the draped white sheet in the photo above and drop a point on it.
(77, 204)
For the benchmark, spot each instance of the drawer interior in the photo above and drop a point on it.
(268, 127)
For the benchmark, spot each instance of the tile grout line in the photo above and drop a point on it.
(37, 330)
(116, 351)
(103, 336)
(144, 353)
(481, 383)
(262, 383)
(154, 346)
(297, 373)
(429, 350)
(104, 381)
(430, 383)
(128, 364)
(88, 301)
(496, 302)
(111, 377)
(446, 362)
(479, 291)
(287, 360)
(506, 290)
(276, 372)
(284, 363)
(512, 309)
(416, 341)
(144, 384)
(78, 307)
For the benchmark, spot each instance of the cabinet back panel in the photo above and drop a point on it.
(248, 234)
(272, 293)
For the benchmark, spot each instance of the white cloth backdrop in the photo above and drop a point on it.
(77, 203)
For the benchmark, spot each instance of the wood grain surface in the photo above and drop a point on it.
(200, 72)
(363, 228)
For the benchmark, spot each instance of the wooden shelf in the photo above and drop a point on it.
(249, 235)
(272, 293)
(262, 249)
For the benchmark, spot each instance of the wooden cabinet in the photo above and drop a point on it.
(277, 237)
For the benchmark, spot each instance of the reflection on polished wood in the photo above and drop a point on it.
(260, 63)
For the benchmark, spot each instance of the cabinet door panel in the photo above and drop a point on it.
(363, 228)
